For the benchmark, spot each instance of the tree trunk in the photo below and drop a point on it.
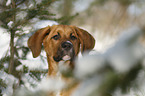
(12, 36)
(12, 52)
(67, 7)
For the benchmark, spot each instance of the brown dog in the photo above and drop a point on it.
(61, 42)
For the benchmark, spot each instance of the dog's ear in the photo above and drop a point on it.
(35, 41)
(87, 41)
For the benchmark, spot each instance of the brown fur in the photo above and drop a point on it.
(51, 46)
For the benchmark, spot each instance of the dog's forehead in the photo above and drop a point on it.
(63, 29)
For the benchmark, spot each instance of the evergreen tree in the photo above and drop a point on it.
(15, 16)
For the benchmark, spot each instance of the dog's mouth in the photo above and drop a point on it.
(65, 52)
(64, 56)
(57, 59)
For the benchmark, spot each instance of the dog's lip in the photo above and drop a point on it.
(57, 59)
(66, 58)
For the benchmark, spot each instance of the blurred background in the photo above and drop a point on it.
(104, 19)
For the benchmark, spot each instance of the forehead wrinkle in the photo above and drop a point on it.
(64, 30)
(74, 31)
(68, 31)
(53, 30)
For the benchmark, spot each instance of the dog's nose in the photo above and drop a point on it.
(67, 45)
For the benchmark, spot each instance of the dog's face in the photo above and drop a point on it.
(61, 42)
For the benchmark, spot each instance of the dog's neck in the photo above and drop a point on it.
(52, 66)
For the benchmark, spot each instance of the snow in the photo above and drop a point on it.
(34, 63)
(8, 2)
(51, 84)
(135, 10)
(44, 23)
(126, 52)
(88, 86)
(88, 65)
(21, 15)
(10, 24)
(45, 86)
(85, 4)
(38, 1)
(10, 80)
(123, 56)
(4, 42)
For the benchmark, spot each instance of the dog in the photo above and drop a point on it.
(61, 42)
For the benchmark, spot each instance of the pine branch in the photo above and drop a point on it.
(20, 2)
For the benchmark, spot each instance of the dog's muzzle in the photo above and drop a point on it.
(65, 52)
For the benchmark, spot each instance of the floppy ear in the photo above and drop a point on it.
(87, 41)
(35, 41)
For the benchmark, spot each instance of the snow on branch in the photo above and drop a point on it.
(101, 74)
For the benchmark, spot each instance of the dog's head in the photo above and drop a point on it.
(61, 41)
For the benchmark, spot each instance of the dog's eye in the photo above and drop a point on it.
(56, 37)
(47, 33)
(73, 37)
